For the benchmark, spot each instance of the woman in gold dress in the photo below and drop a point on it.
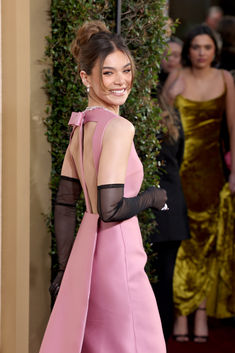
(205, 266)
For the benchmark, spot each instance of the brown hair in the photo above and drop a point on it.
(94, 41)
(170, 120)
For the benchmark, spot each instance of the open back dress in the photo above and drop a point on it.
(105, 303)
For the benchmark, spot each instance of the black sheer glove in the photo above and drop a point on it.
(65, 223)
(113, 207)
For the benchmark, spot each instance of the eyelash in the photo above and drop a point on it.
(110, 72)
(195, 48)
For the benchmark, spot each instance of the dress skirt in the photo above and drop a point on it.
(122, 315)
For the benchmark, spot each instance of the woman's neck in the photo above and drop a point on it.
(200, 73)
(96, 103)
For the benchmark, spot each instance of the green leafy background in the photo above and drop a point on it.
(143, 27)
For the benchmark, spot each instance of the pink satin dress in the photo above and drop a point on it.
(105, 303)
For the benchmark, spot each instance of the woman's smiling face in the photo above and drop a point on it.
(112, 87)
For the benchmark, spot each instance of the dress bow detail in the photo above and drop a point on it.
(76, 118)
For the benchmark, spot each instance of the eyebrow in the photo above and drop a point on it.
(112, 68)
(201, 45)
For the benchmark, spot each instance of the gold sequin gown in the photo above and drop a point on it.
(205, 265)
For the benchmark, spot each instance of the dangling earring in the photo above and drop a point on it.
(88, 89)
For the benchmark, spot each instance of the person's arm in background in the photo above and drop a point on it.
(173, 86)
(230, 114)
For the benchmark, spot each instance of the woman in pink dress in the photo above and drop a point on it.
(105, 303)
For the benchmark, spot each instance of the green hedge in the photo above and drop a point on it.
(143, 27)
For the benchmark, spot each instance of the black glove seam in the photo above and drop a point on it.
(109, 186)
(64, 177)
(65, 204)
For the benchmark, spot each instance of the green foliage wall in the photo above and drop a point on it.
(143, 27)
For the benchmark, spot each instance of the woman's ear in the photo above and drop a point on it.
(85, 78)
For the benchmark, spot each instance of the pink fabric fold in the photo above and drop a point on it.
(76, 118)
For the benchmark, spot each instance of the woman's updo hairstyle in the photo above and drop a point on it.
(94, 41)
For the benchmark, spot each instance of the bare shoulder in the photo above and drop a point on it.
(174, 77)
(174, 85)
(119, 128)
(228, 77)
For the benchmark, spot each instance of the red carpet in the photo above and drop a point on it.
(221, 340)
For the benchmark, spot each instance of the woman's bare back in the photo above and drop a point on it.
(116, 146)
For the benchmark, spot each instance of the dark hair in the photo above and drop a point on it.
(94, 41)
(196, 31)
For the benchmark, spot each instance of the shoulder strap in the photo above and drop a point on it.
(77, 119)
(224, 79)
(102, 117)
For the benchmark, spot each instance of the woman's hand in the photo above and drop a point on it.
(232, 183)
(159, 197)
(174, 86)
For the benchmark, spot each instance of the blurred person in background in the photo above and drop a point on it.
(226, 30)
(171, 58)
(172, 225)
(214, 15)
(203, 277)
